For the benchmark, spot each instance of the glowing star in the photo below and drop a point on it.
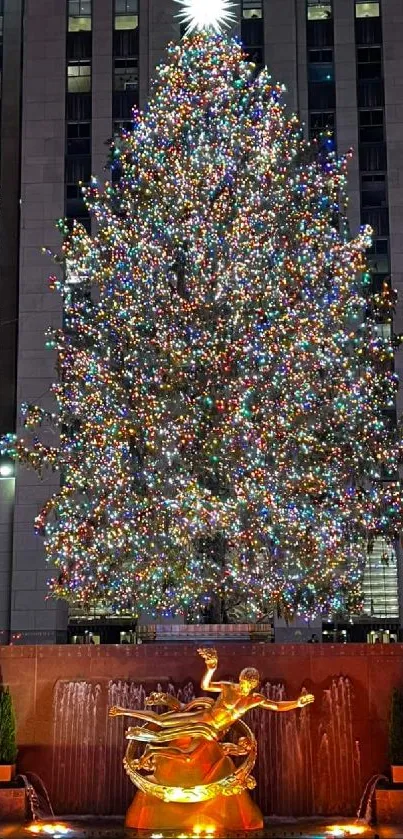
(206, 14)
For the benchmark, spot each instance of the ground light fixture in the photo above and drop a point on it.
(7, 469)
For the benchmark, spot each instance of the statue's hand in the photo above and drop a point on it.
(209, 654)
(160, 700)
(155, 698)
(114, 711)
(245, 744)
(147, 761)
(305, 699)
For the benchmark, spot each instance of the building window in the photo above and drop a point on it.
(78, 46)
(125, 60)
(373, 190)
(122, 125)
(369, 63)
(378, 256)
(78, 170)
(78, 138)
(79, 15)
(367, 9)
(126, 74)
(79, 77)
(252, 31)
(320, 56)
(370, 94)
(126, 14)
(321, 122)
(123, 104)
(319, 33)
(380, 586)
(373, 157)
(368, 31)
(78, 107)
(317, 10)
(378, 219)
(321, 96)
(371, 126)
(251, 9)
(320, 73)
(125, 43)
(379, 281)
(321, 86)
(383, 330)
(85, 221)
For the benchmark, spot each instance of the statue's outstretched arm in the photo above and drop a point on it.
(287, 705)
(148, 716)
(209, 654)
(280, 706)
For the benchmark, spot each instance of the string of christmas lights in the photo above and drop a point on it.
(221, 378)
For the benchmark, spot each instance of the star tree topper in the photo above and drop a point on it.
(206, 14)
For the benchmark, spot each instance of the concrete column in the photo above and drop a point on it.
(10, 216)
(158, 27)
(7, 493)
(235, 29)
(10, 139)
(346, 101)
(33, 619)
(302, 62)
(283, 53)
(102, 76)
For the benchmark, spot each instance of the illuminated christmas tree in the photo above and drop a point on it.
(221, 380)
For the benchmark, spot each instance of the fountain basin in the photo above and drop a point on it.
(90, 828)
(389, 805)
(13, 804)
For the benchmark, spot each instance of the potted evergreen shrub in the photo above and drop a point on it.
(396, 736)
(8, 744)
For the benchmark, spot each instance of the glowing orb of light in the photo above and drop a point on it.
(345, 830)
(6, 470)
(211, 15)
(54, 829)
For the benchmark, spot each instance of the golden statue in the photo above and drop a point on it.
(187, 765)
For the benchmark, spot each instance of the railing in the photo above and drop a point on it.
(206, 632)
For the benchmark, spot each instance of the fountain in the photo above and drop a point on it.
(294, 751)
(338, 781)
(366, 806)
(39, 805)
(304, 755)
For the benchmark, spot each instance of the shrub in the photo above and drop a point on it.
(8, 744)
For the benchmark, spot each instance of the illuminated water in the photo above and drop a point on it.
(304, 767)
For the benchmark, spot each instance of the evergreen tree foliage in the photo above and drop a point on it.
(222, 378)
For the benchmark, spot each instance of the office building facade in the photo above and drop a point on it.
(71, 71)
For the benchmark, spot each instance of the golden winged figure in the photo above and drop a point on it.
(187, 761)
